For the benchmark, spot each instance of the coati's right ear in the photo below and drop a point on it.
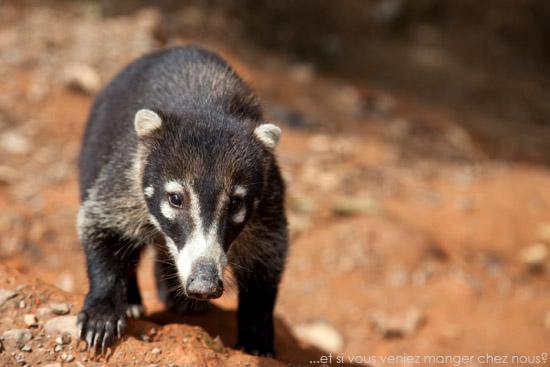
(146, 121)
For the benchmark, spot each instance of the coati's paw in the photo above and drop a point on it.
(135, 311)
(257, 341)
(100, 325)
(255, 349)
(189, 306)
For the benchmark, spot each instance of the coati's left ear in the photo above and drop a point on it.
(268, 135)
(146, 121)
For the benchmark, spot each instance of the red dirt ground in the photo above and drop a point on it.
(394, 208)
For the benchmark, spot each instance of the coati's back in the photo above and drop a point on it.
(174, 81)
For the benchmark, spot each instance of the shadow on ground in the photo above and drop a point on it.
(222, 322)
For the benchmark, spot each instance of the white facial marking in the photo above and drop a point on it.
(155, 222)
(146, 121)
(240, 191)
(149, 191)
(200, 243)
(268, 134)
(167, 210)
(172, 248)
(240, 215)
(173, 186)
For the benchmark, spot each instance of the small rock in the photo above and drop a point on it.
(57, 348)
(82, 77)
(30, 320)
(391, 326)
(64, 338)
(302, 73)
(61, 324)
(6, 294)
(60, 308)
(14, 143)
(22, 304)
(20, 360)
(320, 334)
(144, 337)
(43, 311)
(67, 357)
(302, 205)
(156, 351)
(26, 348)
(79, 364)
(349, 206)
(534, 257)
(65, 282)
(16, 338)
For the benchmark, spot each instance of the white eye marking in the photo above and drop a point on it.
(149, 191)
(167, 210)
(240, 191)
(173, 186)
(155, 222)
(239, 216)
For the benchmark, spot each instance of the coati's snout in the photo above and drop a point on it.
(204, 281)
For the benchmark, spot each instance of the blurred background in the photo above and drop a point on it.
(416, 150)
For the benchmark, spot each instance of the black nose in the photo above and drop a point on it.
(204, 282)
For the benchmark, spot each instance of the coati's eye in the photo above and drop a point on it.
(175, 200)
(235, 203)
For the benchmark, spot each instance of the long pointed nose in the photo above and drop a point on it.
(204, 281)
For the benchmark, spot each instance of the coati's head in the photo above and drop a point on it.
(203, 176)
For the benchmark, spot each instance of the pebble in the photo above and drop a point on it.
(156, 351)
(20, 360)
(57, 348)
(14, 143)
(82, 77)
(391, 326)
(67, 357)
(43, 311)
(79, 364)
(61, 324)
(64, 338)
(349, 206)
(534, 257)
(16, 337)
(6, 294)
(320, 334)
(26, 348)
(30, 320)
(60, 308)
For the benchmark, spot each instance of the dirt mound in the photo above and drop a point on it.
(38, 326)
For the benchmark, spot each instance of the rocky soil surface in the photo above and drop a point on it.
(410, 236)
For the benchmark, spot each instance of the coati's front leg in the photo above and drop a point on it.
(111, 261)
(258, 279)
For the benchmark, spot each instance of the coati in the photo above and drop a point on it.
(176, 153)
